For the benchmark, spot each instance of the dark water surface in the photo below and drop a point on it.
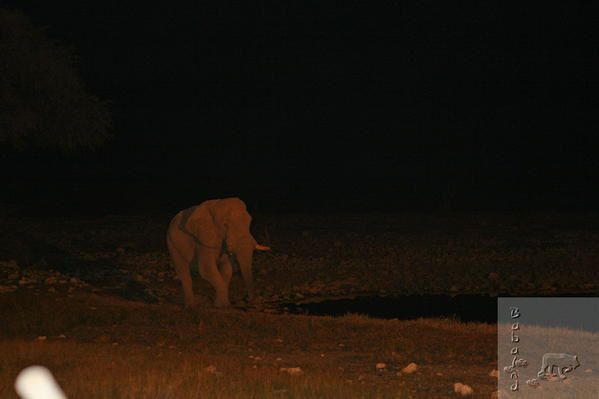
(466, 308)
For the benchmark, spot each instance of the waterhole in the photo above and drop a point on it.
(465, 308)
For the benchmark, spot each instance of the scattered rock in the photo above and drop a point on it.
(410, 368)
(211, 369)
(7, 288)
(50, 280)
(295, 371)
(462, 389)
(25, 281)
(41, 338)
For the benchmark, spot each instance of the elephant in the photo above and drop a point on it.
(211, 236)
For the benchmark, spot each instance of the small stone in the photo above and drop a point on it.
(41, 338)
(381, 366)
(410, 368)
(462, 389)
(210, 369)
(295, 371)
(50, 280)
(494, 373)
(7, 288)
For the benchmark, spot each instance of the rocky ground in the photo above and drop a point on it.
(314, 257)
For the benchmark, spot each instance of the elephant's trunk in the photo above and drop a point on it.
(244, 259)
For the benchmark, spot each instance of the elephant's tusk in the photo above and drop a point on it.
(262, 247)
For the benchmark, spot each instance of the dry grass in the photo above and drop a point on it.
(118, 349)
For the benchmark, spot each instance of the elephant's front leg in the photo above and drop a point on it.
(209, 271)
(226, 268)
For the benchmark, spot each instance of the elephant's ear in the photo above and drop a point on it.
(202, 227)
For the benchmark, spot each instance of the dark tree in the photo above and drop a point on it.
(43, 102)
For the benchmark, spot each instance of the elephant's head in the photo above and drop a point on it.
(233, 222)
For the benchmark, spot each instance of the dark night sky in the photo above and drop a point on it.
(305, 105)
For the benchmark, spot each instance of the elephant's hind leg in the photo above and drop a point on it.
(182, 267)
